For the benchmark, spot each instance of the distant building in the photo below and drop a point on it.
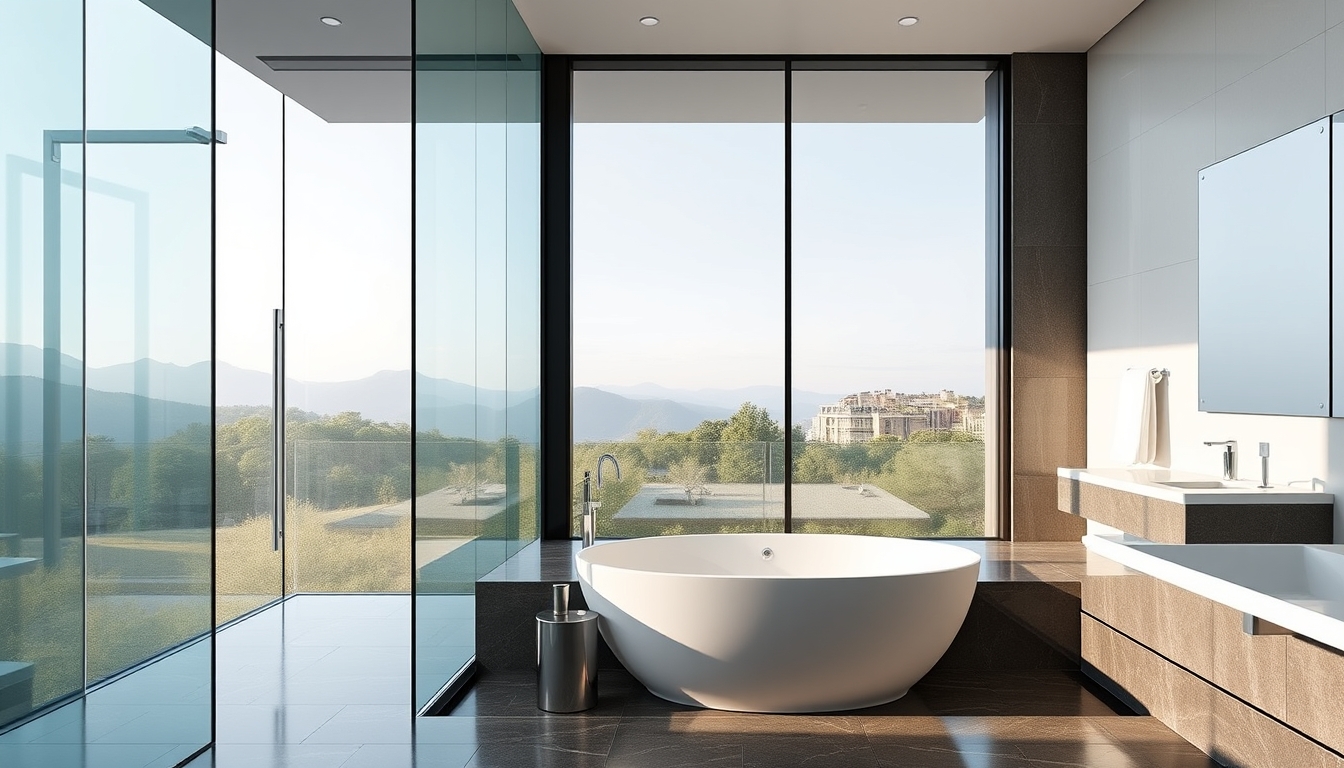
(863, 416)
(973, 421)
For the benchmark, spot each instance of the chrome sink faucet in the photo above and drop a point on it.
(1264, 465)
(590, 506)
(1229, 457)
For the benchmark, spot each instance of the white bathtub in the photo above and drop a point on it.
(778, 622)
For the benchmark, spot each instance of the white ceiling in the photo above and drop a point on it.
(248, 29)
(820, 26)
(660, 96)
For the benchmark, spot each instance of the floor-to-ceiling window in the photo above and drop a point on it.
(888, 314)
(743, 227)
(477, 323)
(347, 345)
(678, 199)
(108, 143)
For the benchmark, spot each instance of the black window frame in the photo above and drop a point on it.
(555, 501)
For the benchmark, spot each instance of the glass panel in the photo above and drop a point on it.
(348, 329)
(41, 350)
(249, 210)
(678, 298)
(889, 371)
(149, 364)
(522, 413)
(477, 315)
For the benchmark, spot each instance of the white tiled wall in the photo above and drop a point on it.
(1178, 85)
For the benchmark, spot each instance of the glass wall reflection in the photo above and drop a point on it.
(477, 314)
(106, 486)
(41, 385)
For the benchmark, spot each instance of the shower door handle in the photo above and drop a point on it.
(278, 435)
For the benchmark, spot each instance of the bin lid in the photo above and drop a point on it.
(572, 617)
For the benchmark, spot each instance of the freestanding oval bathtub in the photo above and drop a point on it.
(778, 622)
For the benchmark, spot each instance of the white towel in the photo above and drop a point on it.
(1136, 418)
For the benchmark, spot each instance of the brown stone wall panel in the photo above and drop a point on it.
(1050, 88)
(1035, 513)
(1049, 200)
(1049, 425)
(1315, 704)
(1050, 312)
(1248, 666)
(1047, 251)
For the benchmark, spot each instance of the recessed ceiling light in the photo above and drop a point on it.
(908, 21)
(649, 21)
(331, 21)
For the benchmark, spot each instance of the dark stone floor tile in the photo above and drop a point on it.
(919, 754)
(1067, 730)
(1169, 757)
(1144, 731)
(514, 694)
(590, 735)
(1080, 755)
(851, 751)
(708, 722)
(999, 694)
(648, 743)
(533, 756)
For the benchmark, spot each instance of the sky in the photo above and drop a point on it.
(678, 236)
(678, 264)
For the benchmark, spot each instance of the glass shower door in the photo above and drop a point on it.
(249, 288)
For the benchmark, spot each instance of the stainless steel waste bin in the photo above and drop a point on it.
(566, 656)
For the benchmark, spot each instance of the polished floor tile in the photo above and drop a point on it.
(948, 720)
(315, 684)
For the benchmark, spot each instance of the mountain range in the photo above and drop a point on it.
(177, 395)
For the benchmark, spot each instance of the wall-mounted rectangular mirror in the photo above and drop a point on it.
(1265, 278)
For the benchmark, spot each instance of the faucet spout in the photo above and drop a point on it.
(1229, 457)
(602, 460)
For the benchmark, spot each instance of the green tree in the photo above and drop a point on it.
(746, 440)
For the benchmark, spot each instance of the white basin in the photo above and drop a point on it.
(1195, 484)
(1300, 587)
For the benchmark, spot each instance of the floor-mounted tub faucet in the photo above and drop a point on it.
(1229, 457)
(590, 506)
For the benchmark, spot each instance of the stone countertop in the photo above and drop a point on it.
(1148, 481)
(1054, 562)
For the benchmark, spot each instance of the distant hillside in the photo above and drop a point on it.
(600, 415)
(179, 395)
(112, 414)
(805, 404)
